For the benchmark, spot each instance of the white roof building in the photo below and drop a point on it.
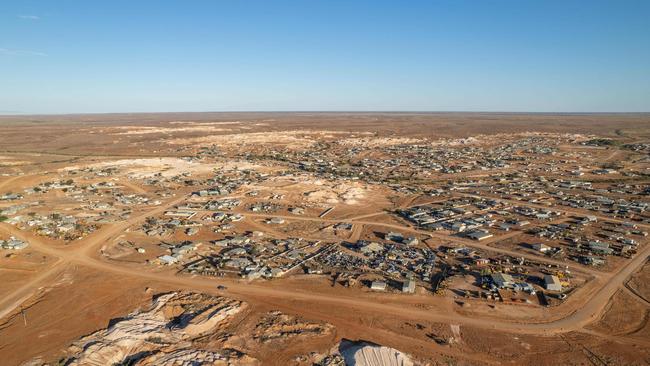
(408, 286)
(502, 280)
(167, 259)
(552, 283)
(479, 235)
(378, 286)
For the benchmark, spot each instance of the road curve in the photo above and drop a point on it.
(85, 254)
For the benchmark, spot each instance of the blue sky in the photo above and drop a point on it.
(486, 55)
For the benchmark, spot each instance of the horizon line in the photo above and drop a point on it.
(28, 114)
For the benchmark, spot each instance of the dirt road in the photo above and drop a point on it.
(85, 253)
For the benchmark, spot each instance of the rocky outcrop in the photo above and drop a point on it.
(162, 334)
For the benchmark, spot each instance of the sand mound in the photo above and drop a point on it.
(193, 357)
(340, 193)
(368, 354)
(298, 138)
(380, 141)
(276, 326)
(149, 130)
(146, 131)
(8, 160)
(167, 167)
(157, 336)
(194, 123)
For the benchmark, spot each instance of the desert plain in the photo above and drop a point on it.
(325, 239)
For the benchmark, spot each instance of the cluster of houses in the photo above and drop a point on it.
(54, 225)
(614, 200)
(13, 244)
(503, 272)
(183, 217)
(614, 207)
(168, 225)
(391, 164)
(11, 196)
(222, 204)
(177, 251)
(471, 217)
(14, 209)
(639, 147)
(455, 215)
(588, 243)
(225, 182)
(94, 171)
(399, 261)
(64, 185)
(252, 258)
(99, 203)
(264, 206)
(500, 280)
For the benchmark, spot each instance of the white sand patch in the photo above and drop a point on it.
(9, 160)
(149, 332)
(380, 141)
(142, 168)
(347, 194)
(316, 192)
(194, 123)
(367, 354)
(166, 167)
(300, 138)
(504, 137)
(146, 130)
(456, 142)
